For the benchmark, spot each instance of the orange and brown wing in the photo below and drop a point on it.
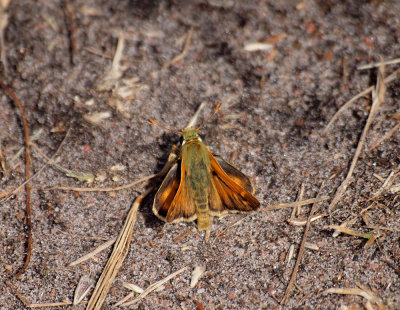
(230, 192)
(233, 173)
(171, 203)
(166, 192)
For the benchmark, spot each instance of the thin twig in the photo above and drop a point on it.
(101, 189)
(97, 250)
(27, 304)
(365, 92)
(28, 167)
(198, 304)
(295, 204)
(70, 173)
(51, 304)
(154, 286)
(387, 184)
(296, 210)
(96, 52)
(349, 231)
(72, 30)
(301, 250)
(12, 191)
(304, 222)
(227, 227)
(117, 257)
(384, 137)
(377, 64)
(369, 295)
(378, 98)
(18, 293)
(184, 52)
(33, 137)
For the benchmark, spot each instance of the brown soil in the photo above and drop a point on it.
(276, 103)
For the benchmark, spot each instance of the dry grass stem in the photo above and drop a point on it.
(387, 184)
(151, 288)
(363, 292)
(102, 189)
(132, 287)
(51, 304)
(344, 224)
(349, 231)
(304, 222)
(184, 52)
(395, 189)
(35, 136)
(377, 64)
(97, 52)
(301, 251)
(378, 97)
(297, 210)
(371, 240)
(94, 252)
(385, 137)
(117, 257)
(379, 177)
(387, 80)
(295, 204)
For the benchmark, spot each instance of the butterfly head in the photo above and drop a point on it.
(190, 134)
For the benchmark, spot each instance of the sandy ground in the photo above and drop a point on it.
(276, 102)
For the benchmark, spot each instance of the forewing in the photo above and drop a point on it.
(167, 191)
(230, 194)
(182, 207)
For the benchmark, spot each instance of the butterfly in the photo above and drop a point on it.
(200, 185)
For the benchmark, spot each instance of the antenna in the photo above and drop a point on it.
(164, 127)
(215, 111)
